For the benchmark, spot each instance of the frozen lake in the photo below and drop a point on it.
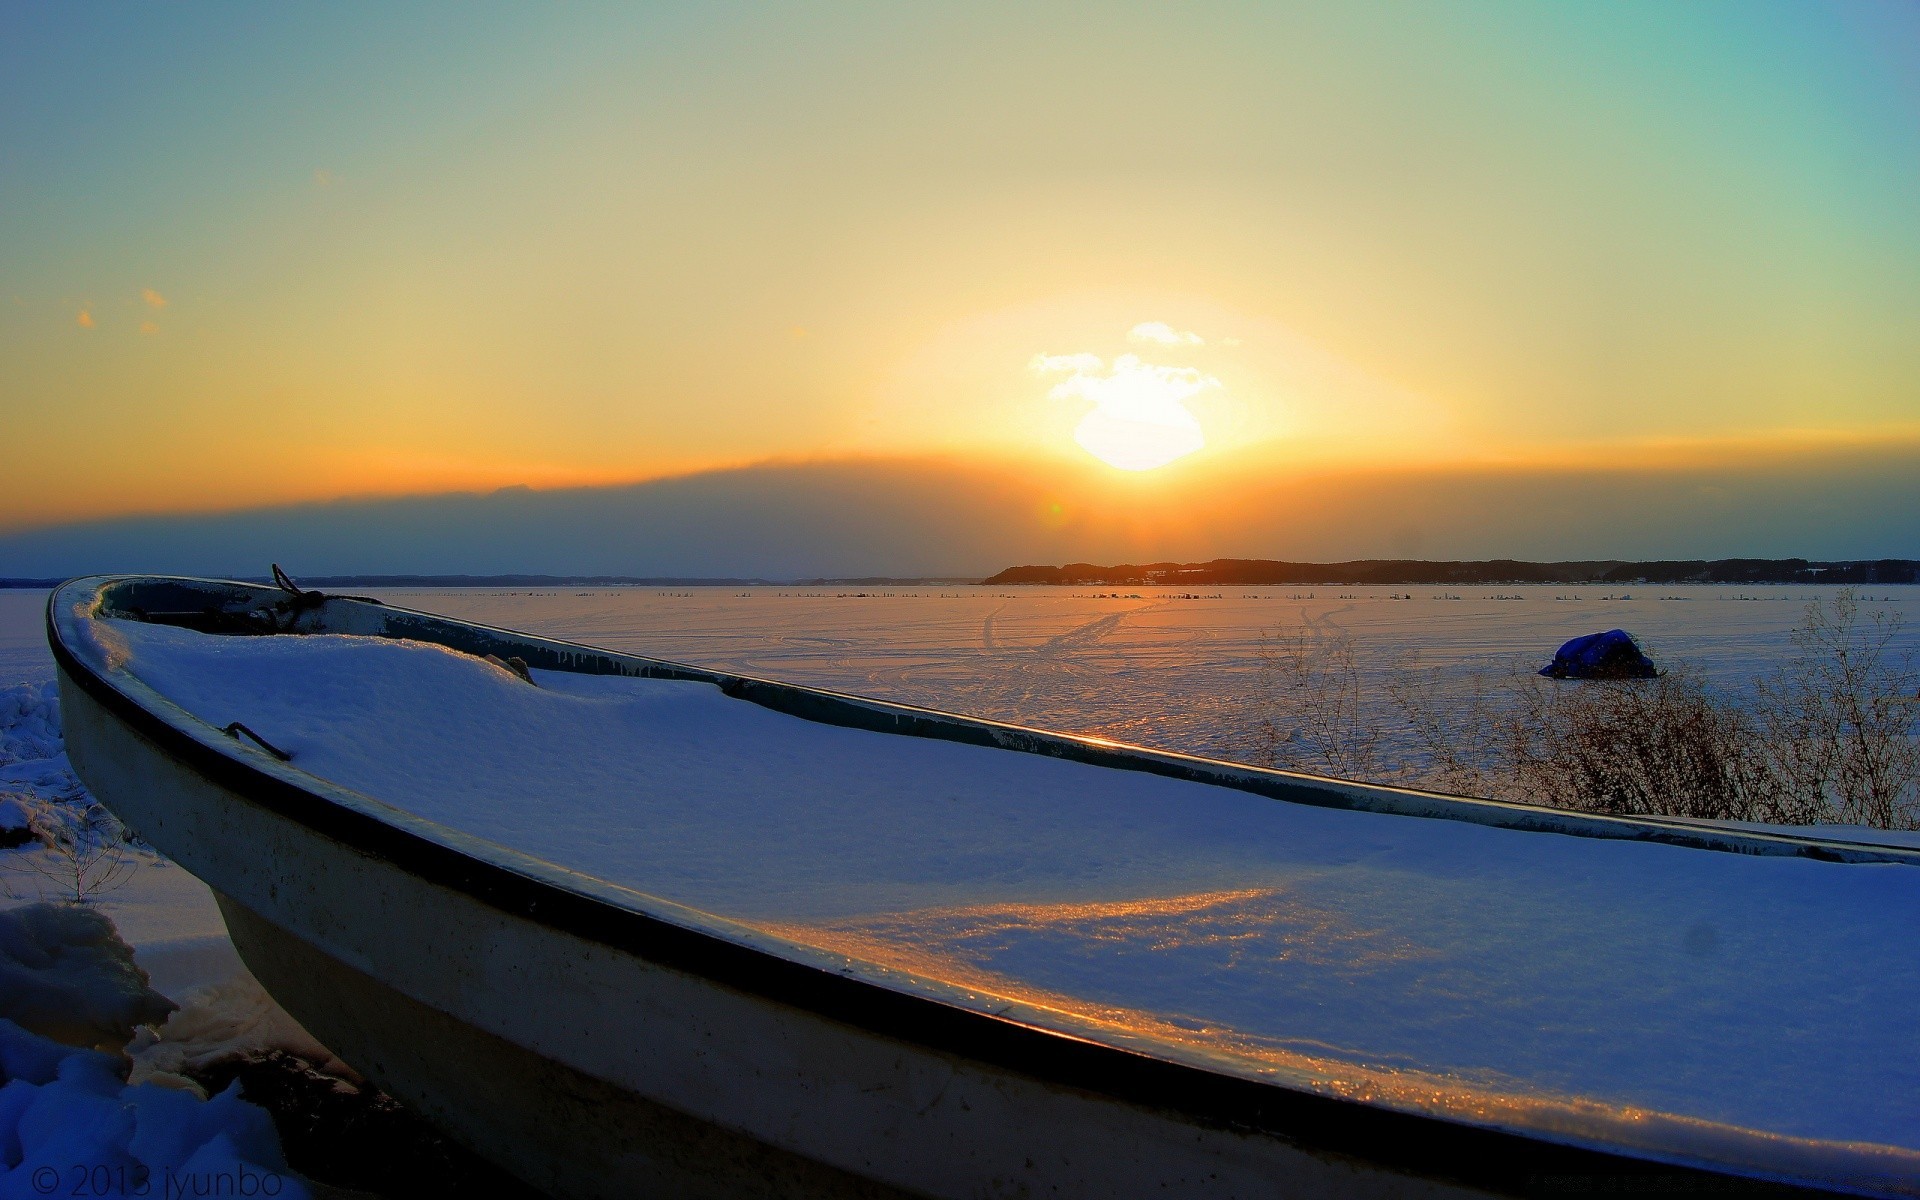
(1157, 666)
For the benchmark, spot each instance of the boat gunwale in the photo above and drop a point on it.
(1422, 1144)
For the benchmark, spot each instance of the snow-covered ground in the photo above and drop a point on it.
(1453, 966)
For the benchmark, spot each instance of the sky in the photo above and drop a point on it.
(285, 254)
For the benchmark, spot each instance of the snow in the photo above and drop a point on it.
(1435, 964)
(101, 1115)
(169, 916)
(67, 1121)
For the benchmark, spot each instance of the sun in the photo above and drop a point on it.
(1139, 419)
(1139, 439)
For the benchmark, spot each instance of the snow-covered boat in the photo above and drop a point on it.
(628, 927)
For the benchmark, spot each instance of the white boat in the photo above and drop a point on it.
(649, 929)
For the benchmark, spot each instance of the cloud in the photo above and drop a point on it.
(153, 298)
(1077, 363)
(1138, 419)
(84, 320)
(1159, 333)
(1133, 389)
(322, 177)
(149, 327)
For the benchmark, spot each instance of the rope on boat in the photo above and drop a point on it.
(236, 729)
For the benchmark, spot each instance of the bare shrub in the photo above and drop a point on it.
(1838, 718)
(1641, 747)
(1458, 727)
(1310, 705)
(83, 852)
(1630, 746)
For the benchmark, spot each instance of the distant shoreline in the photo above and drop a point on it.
(1260, 572)
(1228, 572)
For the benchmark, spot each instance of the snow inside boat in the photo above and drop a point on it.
(629, 927)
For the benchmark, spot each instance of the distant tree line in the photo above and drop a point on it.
(1261, 572)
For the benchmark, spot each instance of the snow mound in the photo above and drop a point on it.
(66, 975)
(63, 1110)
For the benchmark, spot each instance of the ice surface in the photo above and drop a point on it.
(1480, 968)
(24, 657)
(1156, 666)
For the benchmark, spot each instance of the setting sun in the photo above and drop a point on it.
(1140, 437)
(1139, 419)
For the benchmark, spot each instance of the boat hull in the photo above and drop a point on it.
(590, 1072)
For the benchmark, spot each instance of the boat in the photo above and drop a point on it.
(625, 926)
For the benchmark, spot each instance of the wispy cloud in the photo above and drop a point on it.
(149, 327)
(1159, 333)
(84, 320)
(153, 298)
(1139, 419)
(322, 177)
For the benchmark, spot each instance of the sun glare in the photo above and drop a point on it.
(1139, 419)
(1140, 439)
